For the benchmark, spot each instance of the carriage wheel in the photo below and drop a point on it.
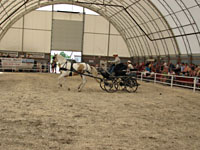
(108, 85)
(131, 85)
(102, 85)
(120, 84)
(116, 83)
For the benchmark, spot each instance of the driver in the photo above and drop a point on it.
(115, 62)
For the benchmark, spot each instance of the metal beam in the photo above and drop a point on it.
(14, 12)
(138, 25)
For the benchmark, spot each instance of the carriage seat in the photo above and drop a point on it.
(120, 69)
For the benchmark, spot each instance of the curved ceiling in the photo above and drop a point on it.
(150, 28)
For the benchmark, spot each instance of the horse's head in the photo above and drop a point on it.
(60, 59)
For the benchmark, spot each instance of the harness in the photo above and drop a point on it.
(71, 69)
(64, 68)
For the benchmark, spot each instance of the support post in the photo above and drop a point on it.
(195, 83)
(155, 77)
(83, 32)
(172, 80)
(108, 48)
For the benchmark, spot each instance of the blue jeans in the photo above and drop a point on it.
(111, 68)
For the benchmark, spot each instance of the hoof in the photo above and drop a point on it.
(79, 90)
(69, 89)
(60, 85)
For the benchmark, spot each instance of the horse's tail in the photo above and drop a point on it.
(94, 73)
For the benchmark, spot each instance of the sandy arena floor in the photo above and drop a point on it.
(37, 115)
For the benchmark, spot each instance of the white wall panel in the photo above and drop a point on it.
(95, 44)
(148, 11)
(12, 41)
(89, 24)
(194, 45)
(117, 45)
(113, 30)
(67, 16)
(189, 3)
(113, 45)
(160, 7)
(18, 24)
(100, 44)
(38, 20)
(182, 16)
(145, 47)
(170, 46)
(37, 34)
(160, 24)
(88, 46)
(152, 48)
(138, 48)
(37, 41)
(171, 21)
(160, 47)
(96, 24)
(195, 15)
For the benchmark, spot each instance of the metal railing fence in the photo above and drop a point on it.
(171, 80)
(35, 68)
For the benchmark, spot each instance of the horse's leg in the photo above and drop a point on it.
(82, 83)
(64, 80)
(60, 77)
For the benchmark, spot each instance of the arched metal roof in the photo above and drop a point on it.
(150, 28)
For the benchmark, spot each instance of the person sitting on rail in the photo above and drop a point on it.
(114, 63)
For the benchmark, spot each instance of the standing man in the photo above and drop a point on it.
(54, 65)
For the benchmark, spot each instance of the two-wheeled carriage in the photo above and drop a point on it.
(121, 81)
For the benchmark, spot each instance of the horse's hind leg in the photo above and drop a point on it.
(82, 83)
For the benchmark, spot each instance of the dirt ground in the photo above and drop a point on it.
(35, 114)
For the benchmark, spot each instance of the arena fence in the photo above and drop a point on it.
(171, 80)
(29, 68)
(42, 69)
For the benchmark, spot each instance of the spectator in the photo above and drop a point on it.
(165, 72)
(129, 67)
(171, 67)
(182, 68)
(198, 71)
(186, 70)
(147, 68)
(54, 65)
(177, 69)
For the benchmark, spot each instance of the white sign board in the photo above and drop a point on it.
(11, 61)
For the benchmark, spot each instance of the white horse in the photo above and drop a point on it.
(68, 68)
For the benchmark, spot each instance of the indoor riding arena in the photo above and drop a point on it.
(99, 75)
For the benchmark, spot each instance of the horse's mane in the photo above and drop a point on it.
(61, 58)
